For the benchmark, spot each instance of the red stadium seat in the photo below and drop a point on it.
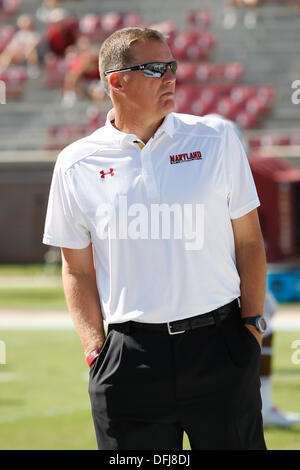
(230, 72)
(204, 72)
(206, 40)
(295, 140)
(131, 19)
(111, 21)
(8, 8)
(14, 75)
(233, 71)
(168, 28)
(200, 18)
(256, 106)
(284, 140)
(246, 120)
(254, 142)
(240, 94)
(195, 52)
(266, 93)
(191, 45)
(89, 24)
(14, 79)
(200, 107)
(227, 108)
(184, 96)
(186, 72)
(17, 74)
(210, 94)
(180, 42)
(267, 140)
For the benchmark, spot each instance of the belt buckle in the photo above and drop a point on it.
(174, 332)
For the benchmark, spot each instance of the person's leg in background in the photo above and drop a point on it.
(272, 416)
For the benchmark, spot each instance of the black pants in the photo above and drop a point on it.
(147, 388)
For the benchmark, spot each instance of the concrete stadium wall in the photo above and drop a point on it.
(24, 189)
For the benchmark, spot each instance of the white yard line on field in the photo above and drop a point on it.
(15, 319)
(47, 412)
(35, 320)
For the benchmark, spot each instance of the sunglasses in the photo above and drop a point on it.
(151, 69)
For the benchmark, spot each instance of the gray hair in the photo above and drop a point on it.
(116, 53)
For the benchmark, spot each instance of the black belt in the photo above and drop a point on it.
(180, 326)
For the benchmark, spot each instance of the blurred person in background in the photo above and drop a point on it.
(243, 9)
(82, 59)
(23, 47)
(272, 415)
(61, 32)
(48, 9)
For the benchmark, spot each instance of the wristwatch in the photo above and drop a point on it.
(259, 322)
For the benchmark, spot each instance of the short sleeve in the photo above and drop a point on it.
(240, 187)
(65, 225)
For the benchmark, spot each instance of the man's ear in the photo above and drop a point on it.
(115, 82)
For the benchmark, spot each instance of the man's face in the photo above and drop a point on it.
(149, 96)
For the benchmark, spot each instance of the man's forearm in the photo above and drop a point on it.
(251, 264)
(84, 305)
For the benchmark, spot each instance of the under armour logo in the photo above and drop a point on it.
(110, 172)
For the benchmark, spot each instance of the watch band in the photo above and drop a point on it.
(259, 322)
(92, 356)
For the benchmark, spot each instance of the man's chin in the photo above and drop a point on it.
(168, 107)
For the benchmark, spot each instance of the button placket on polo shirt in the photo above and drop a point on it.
(148, 174)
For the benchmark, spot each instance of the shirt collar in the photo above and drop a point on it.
(167, 126)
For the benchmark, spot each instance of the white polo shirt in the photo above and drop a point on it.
(158, 215)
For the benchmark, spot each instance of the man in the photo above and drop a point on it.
(178, 356)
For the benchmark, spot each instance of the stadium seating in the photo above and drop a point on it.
(98, 27)
(58, 136)
(200, 18)
(6, 34)
(207, 72)
(238, 103)
(14, 78)
(194, 46)
(271, 140)
(203, 85)
(8, 8)
(55, 71)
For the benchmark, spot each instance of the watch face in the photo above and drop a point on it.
(261, 324)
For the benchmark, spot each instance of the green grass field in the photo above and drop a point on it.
(31, 287)
(44, 402)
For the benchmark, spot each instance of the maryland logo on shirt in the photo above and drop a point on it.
(185, 157)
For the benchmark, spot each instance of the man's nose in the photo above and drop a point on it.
(168, 75)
